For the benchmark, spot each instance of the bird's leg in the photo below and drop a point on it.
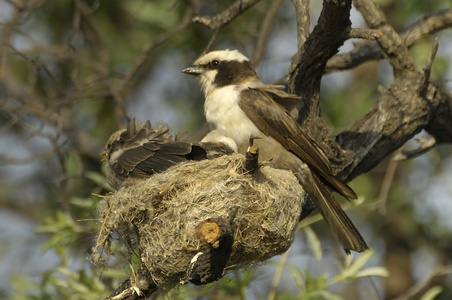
(252, 156)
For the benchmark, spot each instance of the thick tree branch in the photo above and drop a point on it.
(307, 69)
(308, 66)
(406, 107)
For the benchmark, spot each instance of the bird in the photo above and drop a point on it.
(140, 151)
(240, 105)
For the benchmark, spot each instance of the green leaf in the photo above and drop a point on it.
(314, 242)
(73, 165)
(352, 268)
(432, 293)
(374, 271)
(359, 263)
(99, 179)
(330, 296)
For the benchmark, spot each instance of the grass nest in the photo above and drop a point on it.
(161, 215)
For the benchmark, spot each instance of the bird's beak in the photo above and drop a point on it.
(193, 70)
(104, 156)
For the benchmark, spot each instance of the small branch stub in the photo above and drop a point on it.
(208, 266)
(252, 156)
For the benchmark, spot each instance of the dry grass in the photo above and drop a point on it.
(161, 213)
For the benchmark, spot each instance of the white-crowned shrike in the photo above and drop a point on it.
(239, 105)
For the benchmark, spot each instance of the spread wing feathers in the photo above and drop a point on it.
(151, 159)
(338, 221)
(273, 120)
(148, 150)
(138, 133)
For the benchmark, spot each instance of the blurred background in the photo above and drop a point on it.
(73, 72)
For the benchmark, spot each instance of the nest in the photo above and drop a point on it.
(162, 214)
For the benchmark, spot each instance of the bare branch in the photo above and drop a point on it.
(145, 54)
(391, 43)
(425, 145)
(222, 19)
(428, 66)
(365, 34)
(386, 185)
(401, 111)
(422, 28)
(265, 28)
(308, 65)
(303, 21)
(427, 25)
(416, 289)
(210, 43)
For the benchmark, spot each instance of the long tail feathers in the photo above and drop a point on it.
(339, 222)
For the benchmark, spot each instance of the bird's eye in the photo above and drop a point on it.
(215, 63)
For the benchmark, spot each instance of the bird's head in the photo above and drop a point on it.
(112, 145)
(134, 135)
(222, 68)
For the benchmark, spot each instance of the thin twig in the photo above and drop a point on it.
(388, 179)
(416, 289)
(303, 21)
(423, 27)
(264, 31)
(145, 54)
(428, 67)
(222, 19)
(210, 43)
(390, 42)
(425, 145)
(278, 275)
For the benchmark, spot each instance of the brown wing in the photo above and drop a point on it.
(273, 120)
(146, 150)
(288, 101)
(151, 158)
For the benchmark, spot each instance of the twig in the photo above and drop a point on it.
(252, 156)
(365, 34)
(428, 67)
(423, 27)
(386, 185)
(264, 31)
(303, 22)
(278, 275)
(210, 43)
(390, 42)
(427, 25)
(222, 19)
(425, 145)
(308, 65)
(437, 271)
(145, 54)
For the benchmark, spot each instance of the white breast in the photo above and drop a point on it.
(223, 112)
